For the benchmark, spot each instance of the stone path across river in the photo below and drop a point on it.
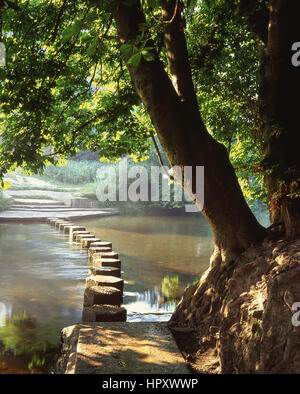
(120, 348)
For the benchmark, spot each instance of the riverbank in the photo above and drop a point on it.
(244, 326)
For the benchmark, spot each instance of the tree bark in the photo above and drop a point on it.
(280, 99)
(175, 115)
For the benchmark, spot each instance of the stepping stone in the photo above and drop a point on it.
(80, 237)
(104, 313)
(73, 234)
(48, 220)
(104, 280)
(62, 226)
(93, 250)
(68, 229)
(58, 222)
(115, 348)
(85, 243)
(105, 255)
(101, 244)
(107, 263)
(109, 271)
(102, 295)
(54, 221)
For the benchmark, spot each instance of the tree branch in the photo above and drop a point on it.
(169, 114)
(177, 52)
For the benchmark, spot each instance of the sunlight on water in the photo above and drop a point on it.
(42, 278)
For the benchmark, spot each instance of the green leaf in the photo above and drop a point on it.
(92, 47)
(71, 31)
(148, 55)
(135, 59)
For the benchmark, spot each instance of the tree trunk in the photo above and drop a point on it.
(280, 98)
(175, 115)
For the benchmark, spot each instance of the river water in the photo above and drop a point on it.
(42, 278)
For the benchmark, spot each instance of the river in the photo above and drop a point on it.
(42, 278)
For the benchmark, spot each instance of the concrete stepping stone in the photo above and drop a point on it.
(128, 348)
(73, 234)
(80, 237)
(48, 220)
(102, 295)
(109, 271)
(54, 221)
(85, 242)
(58, 222)
(107, 263)
(104, 313)
(62, 226)
(68, 229)
(105, 255)
(102, 244)
(93, 250)
(104, 280)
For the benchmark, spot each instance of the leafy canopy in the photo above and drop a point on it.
(65, 86)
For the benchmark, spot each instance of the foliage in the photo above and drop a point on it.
(224, 56)
(74, 172)
(65, 87)
(33, 341)
(170, 287)
(4, 202)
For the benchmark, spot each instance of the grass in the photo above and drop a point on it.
(73, 173)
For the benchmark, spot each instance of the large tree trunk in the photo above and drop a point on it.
(231, 308)
(174, 112)
(280, 99)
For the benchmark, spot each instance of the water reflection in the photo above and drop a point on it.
(152, 248)
(43, 274)
(5, 313)
(27, 343)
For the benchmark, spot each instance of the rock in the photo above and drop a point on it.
(113, 348)
(54, 220)
(80, 237)
(243, 311)
(110, 271)
(101, 244)
(103, 280)
(93, 250)
(49, 220)
(62, 226)
(105, 255)
(85, 242)
(104, 313)
(67, 358)
(69, 229)
(107, 263)
(57, 223)
(102, 295)
(73, 234)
